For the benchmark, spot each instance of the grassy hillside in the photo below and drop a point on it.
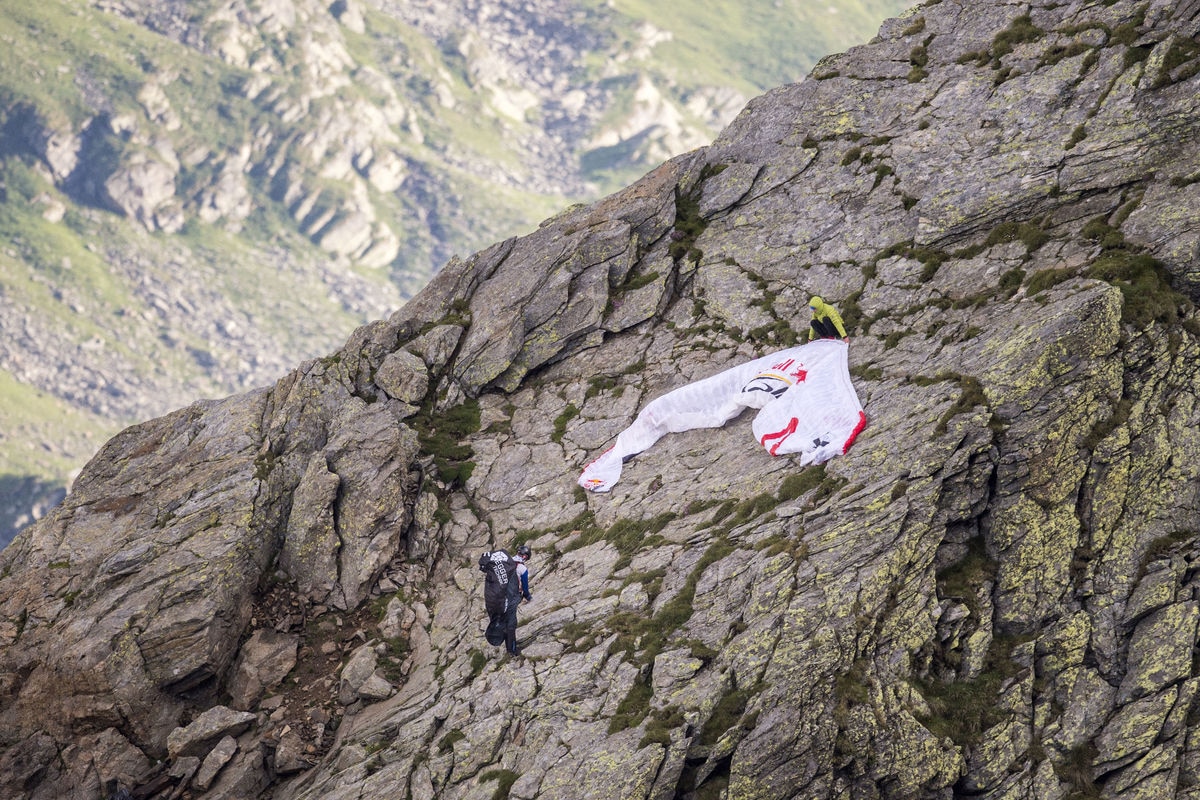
(754, 46)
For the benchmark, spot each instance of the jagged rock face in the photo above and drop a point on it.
(990, 595)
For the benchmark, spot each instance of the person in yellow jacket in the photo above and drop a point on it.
(826, 322)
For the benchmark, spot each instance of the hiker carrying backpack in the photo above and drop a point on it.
(506, 582)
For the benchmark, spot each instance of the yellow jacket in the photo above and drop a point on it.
(824, 311)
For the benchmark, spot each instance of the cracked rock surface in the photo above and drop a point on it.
(991, 595)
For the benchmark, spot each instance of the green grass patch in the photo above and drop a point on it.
(963, 579)
(560, 422)
(851, 310)
(1128, 32)
(751, 508)
(678, 610)
(628, 536)
(1146, 286)
(688, 226)
(1078, 134)
(1030, 234)
(633, 709)
(1101, 430)
(802, 482)
(634, 282)
(894, 338)
(1010, 282)
(51, 44)
(918, 57)
(1136, 55)
(1077, 770)
(779, 333)
(850, 687)
(641, 637)
(651, 581)
(723, 510)
(662, 723)
(600, 384)
(931, 259)
(697, 506)
(791, 544)
(965, 710)
(807, 480)
(971, 394)
(440, 435)
(867, 373)
(447, 742)
(504, 778)
(729, 711)
(882, 171)
(1164, 545)
(1099, 231)
(58, 255)
(1182, 51)
(1020, 31)
(1045, 279)
(1145, 283)
(1061, 52)
(478, 661)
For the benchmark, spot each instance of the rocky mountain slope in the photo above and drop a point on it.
(196, 196)
(992, 594)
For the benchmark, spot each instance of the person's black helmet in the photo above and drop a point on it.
(523, 551)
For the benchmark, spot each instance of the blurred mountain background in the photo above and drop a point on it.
(196, 196)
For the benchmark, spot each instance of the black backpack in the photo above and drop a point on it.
(499, 575)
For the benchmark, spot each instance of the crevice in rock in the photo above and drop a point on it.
(703, 781)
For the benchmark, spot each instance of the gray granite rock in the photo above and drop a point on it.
(990, 592)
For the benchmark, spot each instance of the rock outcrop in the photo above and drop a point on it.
(992, 595)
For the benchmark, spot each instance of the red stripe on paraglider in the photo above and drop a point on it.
(780, 435)
(862, 423)
(597, 458)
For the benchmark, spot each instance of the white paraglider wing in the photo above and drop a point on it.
(807, 402)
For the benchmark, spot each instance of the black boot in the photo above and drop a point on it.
(510, 642)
